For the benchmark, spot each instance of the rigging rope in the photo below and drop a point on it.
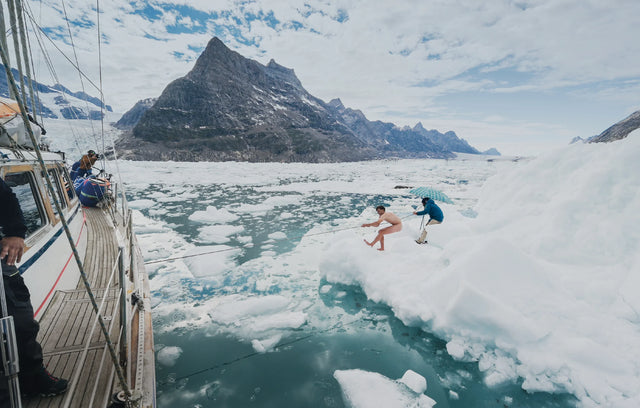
(25, 57)
(75, 55)
(28, 13)
(16, 46)
(53, 73)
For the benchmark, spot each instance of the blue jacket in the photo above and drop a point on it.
(433, 210)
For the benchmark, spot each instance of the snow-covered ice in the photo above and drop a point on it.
(363, 389)
(542, 286)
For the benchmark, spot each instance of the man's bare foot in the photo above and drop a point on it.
(380, 249)
(368, 243)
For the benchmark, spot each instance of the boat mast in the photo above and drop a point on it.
(16, 45)
(25, 56)
(3, 43)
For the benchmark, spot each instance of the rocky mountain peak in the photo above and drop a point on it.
(232, 108)
(419, 128)
(283, 73)
(620, 130)
(336, 104)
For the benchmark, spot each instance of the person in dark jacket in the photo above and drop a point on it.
(435, 217)
(88, 160)
(34, 377)
(82, 167)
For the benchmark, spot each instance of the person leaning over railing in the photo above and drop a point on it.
(82, 167)
(34, 377)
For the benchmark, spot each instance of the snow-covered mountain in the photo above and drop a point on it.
(620, 130)
(58, 102)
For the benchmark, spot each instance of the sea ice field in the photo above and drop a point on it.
(525, 296)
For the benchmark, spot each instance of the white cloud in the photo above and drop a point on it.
(376, 58)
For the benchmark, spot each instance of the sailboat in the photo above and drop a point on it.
(82, 265)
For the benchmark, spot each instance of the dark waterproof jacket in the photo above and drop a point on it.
(433, 210)
(11, 218)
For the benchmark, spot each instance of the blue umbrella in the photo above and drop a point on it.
(431, 193)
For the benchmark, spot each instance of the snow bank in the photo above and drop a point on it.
(542, 287)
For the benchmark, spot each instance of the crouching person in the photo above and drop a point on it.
(435, 217)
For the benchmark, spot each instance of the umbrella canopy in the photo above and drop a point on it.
(431, 193)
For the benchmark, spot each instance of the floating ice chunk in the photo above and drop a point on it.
(364, 389)
(265, 345)
(213, 215)
(233, 308)
(141, 204)
(286, 320)
(219, 234)
(210, 260)
(414, 381)
(456, 349)
(169, 355)
(278, 235)
(453, 395)
(258, 347)
(277, 201)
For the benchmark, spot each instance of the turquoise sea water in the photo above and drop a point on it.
(217, 366)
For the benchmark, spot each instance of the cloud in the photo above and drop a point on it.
(376, 58)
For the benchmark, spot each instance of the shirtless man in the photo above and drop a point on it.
(391, 218)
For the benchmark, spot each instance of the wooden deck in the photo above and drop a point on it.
(73, 343)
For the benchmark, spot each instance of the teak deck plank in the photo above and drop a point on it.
(67, 323)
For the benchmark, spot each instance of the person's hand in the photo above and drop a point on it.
(12, 248)
(415, 213)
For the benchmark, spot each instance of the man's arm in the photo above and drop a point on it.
(375, 224)
(426, 209)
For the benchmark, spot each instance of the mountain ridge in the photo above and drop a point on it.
(229, 107)
(619, 130)
(58, 101)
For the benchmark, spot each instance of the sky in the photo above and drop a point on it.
(522, 76)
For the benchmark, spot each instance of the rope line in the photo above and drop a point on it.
(75, 55)
(340, 325)
(28, 13)
(242, 247)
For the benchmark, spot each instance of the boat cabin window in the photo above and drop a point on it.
(55, 179)
(24, 187)
(68, 185)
